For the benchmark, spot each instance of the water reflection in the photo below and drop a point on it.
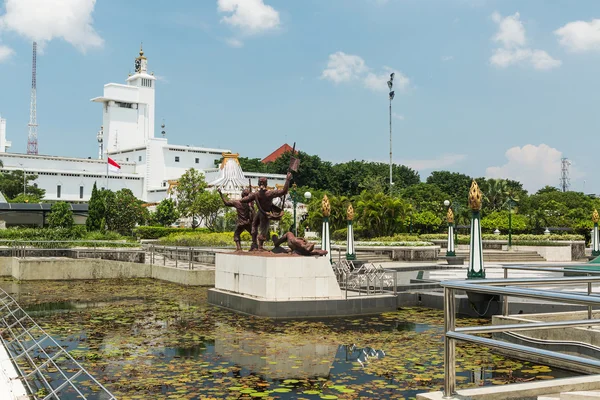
(275, 357)
(361, 355)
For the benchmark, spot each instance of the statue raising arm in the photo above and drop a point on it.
(281, 192)
(228, 203)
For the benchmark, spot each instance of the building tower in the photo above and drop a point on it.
(565, 182)
(32, 141)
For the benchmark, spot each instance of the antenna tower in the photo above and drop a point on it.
(32, 141)
(565, 182)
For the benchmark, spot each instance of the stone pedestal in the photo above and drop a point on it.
(276, 277)
(286, 286)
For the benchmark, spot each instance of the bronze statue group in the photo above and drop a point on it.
(257, 221)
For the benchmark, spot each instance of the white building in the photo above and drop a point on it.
(147, 163)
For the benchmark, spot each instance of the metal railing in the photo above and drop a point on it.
(510, 287)
(47, 370)
(179, 256)
(368, 279)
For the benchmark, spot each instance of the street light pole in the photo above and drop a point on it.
(391, 96)
(295, 199)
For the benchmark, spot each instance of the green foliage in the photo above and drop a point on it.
(426, 222)
(200, 239)
(166, 213)
(11, 184)
(426, 197)
(499, 220)
(96, 210)
(156, 232)
(456, 185)
(193, 200)
(340, 234)
(123, 211)
(26, 198)
(378, 214)
(61, 215)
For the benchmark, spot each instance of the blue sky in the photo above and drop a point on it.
(488, 88)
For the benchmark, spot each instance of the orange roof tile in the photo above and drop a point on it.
(278, 153)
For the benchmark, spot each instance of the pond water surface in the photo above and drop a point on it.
(146, 339)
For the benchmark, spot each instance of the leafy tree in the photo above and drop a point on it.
(11, 184)
(426, 197)
(61, 215)
(123, 211)
(209, 206)
(426, 222)
(378, 214)
(456, 185)
(190, 189)
(25, 198)
(495, 193)
(96, 211)
(499, 220)
(166, 213)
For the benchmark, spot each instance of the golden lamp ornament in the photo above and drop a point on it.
(450, 216)
(475, 196)
(350, 213)
(325, 206)
(595, 217)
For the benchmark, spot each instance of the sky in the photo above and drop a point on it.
(502, 89)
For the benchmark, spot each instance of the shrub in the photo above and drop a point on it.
(340, 234)
(61, 215)
(156, 232)
(202, 239)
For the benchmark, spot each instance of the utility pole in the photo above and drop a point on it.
(565, 181)
(390, 84)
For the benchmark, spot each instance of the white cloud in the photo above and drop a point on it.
(511, 32)
(539, 59)
(580, 36)
(233, 42)
(398, 116)
(533, 166)
(447, 58)
(443, 161)
(251, 16)
(42, 21)
(511, 36)
(342, 67)
(5, 53)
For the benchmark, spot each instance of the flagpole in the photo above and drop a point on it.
(107, 170)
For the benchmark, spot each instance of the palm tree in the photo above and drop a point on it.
(496, 193)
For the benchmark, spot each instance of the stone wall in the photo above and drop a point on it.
(62, 268)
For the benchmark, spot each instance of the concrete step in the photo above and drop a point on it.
(507, 256)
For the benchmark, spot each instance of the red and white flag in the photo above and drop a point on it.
(113, 166)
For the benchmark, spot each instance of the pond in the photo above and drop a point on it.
(149, 339)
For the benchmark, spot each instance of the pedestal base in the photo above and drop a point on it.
(285, 286)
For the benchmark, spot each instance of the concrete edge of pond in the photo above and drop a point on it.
(10, 380)
(62, 268)
(521, 390)
(298, 308)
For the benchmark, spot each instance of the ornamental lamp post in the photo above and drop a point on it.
(450, 218)
(476, 269)
(595, 238)
(325, 240)
(350, 251)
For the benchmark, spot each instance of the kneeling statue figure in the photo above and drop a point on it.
(297, 245)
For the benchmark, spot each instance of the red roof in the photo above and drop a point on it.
(278, 153)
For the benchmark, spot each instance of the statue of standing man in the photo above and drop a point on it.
(245, 216)
(266, 210)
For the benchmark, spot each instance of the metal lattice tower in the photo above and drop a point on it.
(32, 141)
(565, 182)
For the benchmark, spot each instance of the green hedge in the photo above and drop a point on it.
(522, 237)
(157, 232)
(200, 239)
(77, 232)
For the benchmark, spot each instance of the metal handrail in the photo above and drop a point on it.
(35, 353)
(498, 287)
